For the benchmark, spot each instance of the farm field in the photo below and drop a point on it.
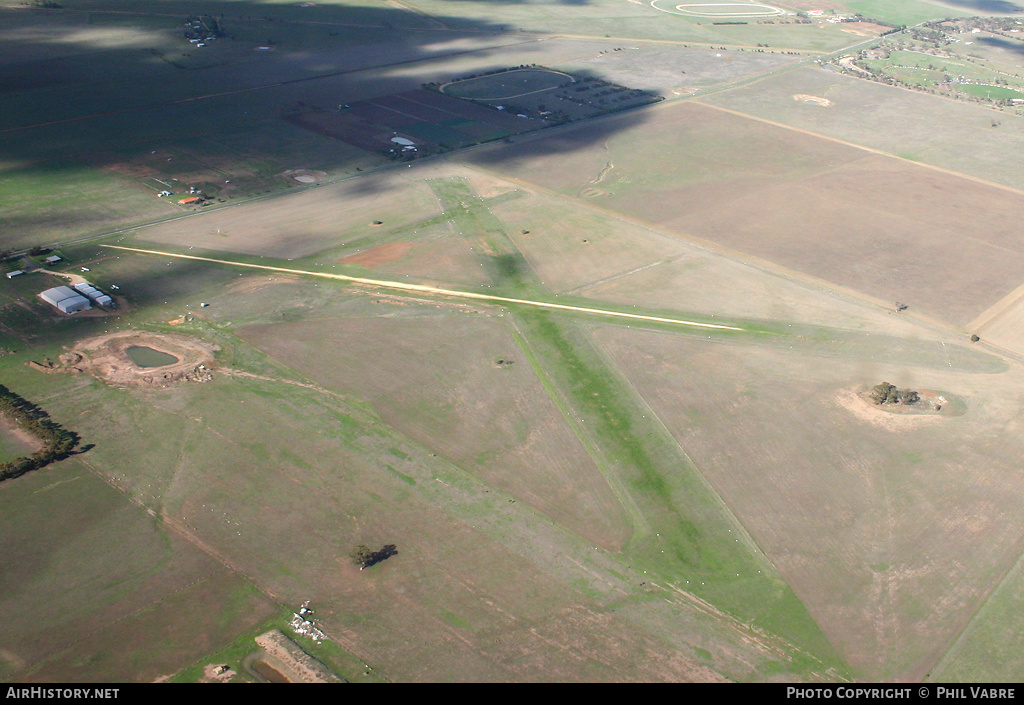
(677, 70)
(590, 403)
(989, 648)
(488, 413)
(961, 137)
(15, 443)
(811, 205)
(647, 21)
(316, 220)
(1004, 322)
(886, 608)
(128, 615)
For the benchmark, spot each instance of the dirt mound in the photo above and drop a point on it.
(106, 357)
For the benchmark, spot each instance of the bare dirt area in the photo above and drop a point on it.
(812, 100)
(865, 29)
(106, 358)
(305, 176)
(287, 660)
(379, 255)
(17, 438)
(217, 673)
(891, 417)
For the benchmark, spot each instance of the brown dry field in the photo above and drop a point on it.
(304, 224)
(701, 281)
(891, 529)
(436, 254)
(379, 255)
(442, 257)
(888, 229)
(1003, 324)
(436, 380)
(569, 245)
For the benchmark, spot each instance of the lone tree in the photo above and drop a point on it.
(886, 393)
(363, 557)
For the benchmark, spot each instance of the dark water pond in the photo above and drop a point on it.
(148, 357)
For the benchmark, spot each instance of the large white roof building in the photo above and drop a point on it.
(66, 299)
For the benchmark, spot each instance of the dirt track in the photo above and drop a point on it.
(420, 288)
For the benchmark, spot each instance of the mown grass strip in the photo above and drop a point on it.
(423, 289)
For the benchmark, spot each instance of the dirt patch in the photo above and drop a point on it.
(24, 438)
(379, 255)
(106, 358)
(865, 29)
(287, 660)
(217, 673)
(812, 100)
(895, 417)
(305, 176)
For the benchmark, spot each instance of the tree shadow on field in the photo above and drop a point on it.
(99, 86)
(1001, 43)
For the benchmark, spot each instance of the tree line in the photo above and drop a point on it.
(58, 442)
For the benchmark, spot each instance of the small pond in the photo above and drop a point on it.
(148, 357)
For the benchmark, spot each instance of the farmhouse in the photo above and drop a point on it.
(65, 299)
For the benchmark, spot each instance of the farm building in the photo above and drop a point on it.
(53, 259)
(16, 272)
(65, 299)
(188, 201)
(87, 289)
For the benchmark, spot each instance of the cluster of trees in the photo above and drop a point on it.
(886, 393)
(363, 557)
(58, 443)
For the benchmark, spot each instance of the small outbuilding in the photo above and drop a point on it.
(16, 272)
(52, 259)
(87, 289)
